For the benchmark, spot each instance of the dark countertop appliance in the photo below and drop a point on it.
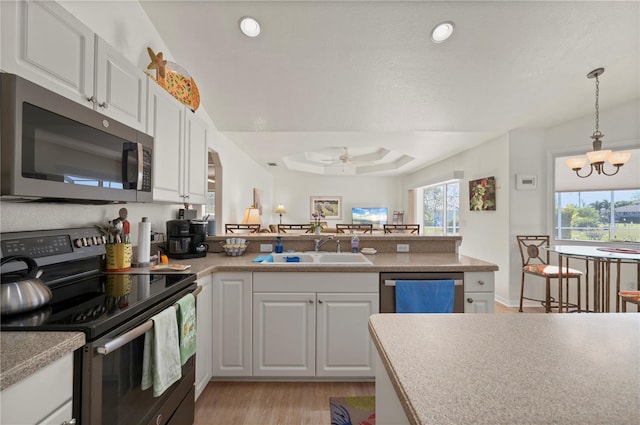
(113, 311)
(186, 239)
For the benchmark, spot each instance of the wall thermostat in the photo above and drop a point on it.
(526, 182)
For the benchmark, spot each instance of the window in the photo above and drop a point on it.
(440, 208)
(597, 208)
(610, 215)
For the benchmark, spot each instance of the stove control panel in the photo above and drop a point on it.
(53, 246)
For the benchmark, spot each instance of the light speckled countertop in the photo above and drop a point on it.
(23, 353)
(513, 368)
(382, 262)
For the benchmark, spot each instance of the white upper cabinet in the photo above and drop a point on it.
(180, 149)
(121, 88)
(166, 125)
(44, 43)
(195, 167)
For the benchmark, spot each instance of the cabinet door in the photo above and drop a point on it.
(284, 334)
(40, 395)
(195, 167)
(203, 328)
(344, 347)
(479, 302)
(231, 353)
(44, 43)
(166, 125)
(121, 88)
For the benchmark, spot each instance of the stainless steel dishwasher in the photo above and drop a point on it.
(388, 288)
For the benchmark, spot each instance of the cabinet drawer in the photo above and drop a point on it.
(315, 282)
(478, 282)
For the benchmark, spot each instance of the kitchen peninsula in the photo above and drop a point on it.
(507, 369)
(236, 290)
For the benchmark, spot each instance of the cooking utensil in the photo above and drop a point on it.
(22, 290)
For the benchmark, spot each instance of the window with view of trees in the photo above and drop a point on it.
(598, 208)
(612, 215)
(441, 209)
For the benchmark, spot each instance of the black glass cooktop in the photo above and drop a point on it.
(98, 303)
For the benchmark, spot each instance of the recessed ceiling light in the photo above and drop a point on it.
(442, 32)
(249, 26)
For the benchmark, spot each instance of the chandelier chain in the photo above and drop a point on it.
(597, 106)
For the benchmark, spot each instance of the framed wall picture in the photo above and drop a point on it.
(482, 194)
(329, 206)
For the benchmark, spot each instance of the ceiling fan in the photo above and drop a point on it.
(348, 159)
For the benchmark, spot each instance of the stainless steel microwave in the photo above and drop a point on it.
(54, 148)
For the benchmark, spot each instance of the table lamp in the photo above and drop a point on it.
(280, 210)
(251, 216)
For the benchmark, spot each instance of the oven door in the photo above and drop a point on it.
(109, 392)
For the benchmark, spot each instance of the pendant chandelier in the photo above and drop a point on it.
(598, 156)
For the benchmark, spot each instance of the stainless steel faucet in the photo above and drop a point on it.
(317, 243)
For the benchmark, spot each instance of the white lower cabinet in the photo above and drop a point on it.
(313, 324)
(479, 292)
(232, 317)
(344, 347)
(42, 398)
(203, 341)
(284, 334)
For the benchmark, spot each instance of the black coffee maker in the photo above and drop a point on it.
(185, 240)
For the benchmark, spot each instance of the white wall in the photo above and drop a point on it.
(294, 189)
(484, 233)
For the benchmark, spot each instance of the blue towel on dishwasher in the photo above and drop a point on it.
(424, 296)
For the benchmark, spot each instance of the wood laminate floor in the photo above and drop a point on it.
(283, 403)
(273, 403)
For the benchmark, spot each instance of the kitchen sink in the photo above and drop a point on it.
(320, 259)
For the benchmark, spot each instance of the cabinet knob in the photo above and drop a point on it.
(103, 105)
(69, 422)
(481, 282)
(92, 99)
(310, 301)
(470, 300)
(319, 301)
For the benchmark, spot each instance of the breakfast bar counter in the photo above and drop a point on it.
(507, 368)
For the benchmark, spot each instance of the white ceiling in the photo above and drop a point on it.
(365, 74)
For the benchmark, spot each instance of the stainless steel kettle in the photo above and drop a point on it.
(22, 290)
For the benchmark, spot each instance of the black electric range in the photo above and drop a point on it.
(84, 298)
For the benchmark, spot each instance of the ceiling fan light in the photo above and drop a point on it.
(598, 156)
(576, 163)
(619, 158)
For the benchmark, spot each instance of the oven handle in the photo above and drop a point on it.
(134, 333)
(390, 282)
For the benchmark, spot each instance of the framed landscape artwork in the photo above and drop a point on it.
(482, 194)
(329, 206)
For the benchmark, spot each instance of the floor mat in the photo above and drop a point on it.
(353, 410)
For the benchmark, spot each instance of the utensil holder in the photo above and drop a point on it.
(118, 258)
